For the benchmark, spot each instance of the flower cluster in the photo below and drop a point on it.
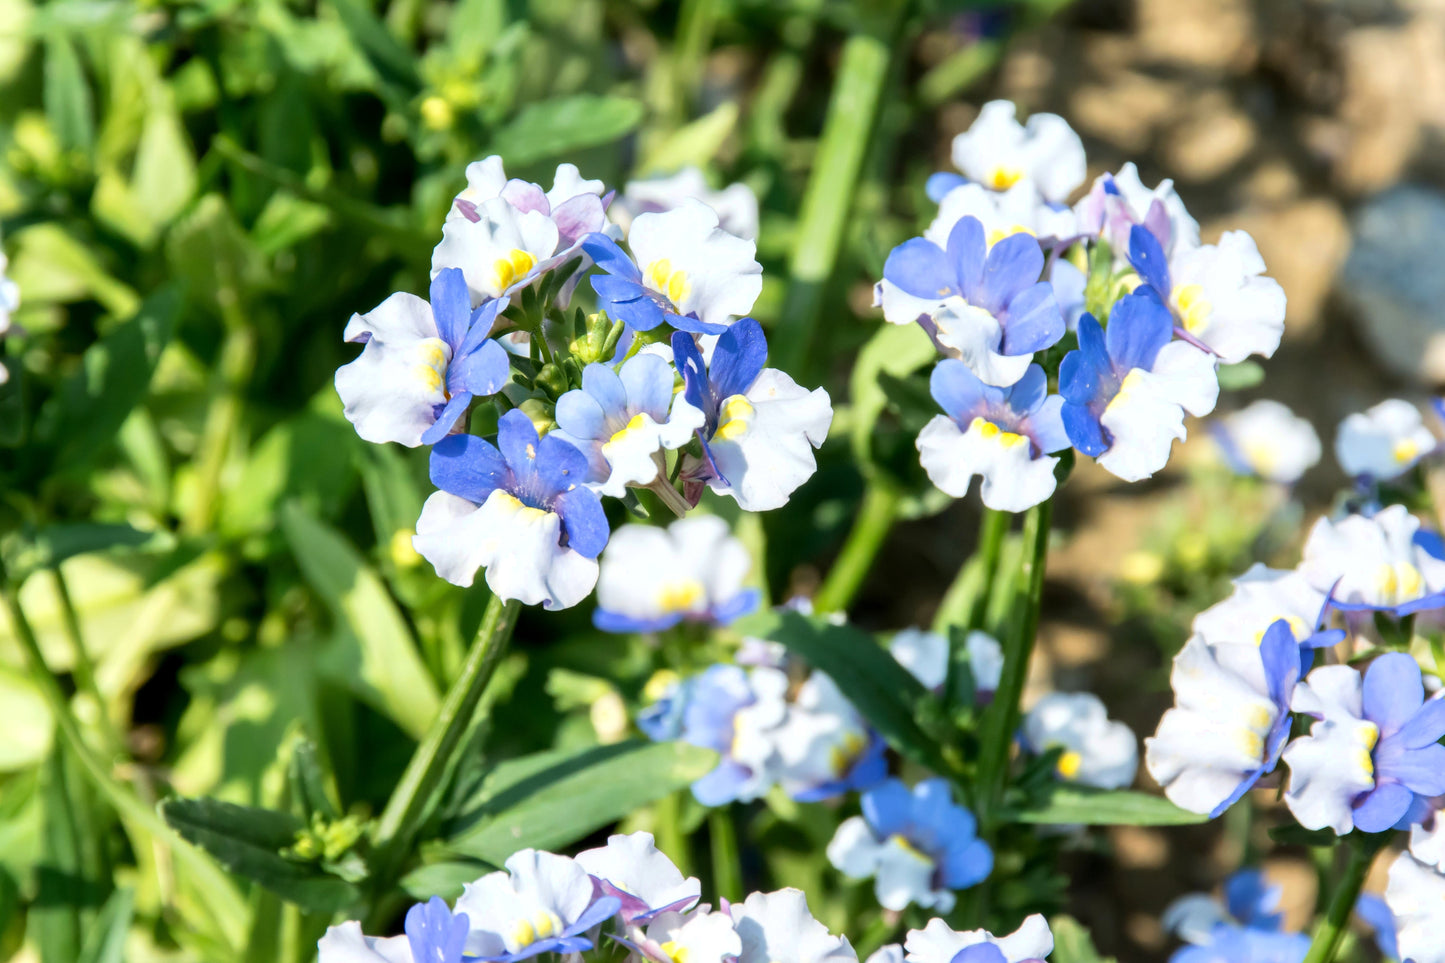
(630, 894)
(998, 282)
(666, 384)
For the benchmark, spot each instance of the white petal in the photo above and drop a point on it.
(490, 250)
(717, 272)
(853, 850)
(766, 452)
(1239, 312)
(900, 307)
(1013, 480)
(1416, 897)
(1428, 845)
(1144, 422)
(1383, 442)
(923, 654)
(346, 944)
(1277, 444)
(1261, 597)
(1192, 917)
(976, 335)
(777, 928)
(392, 391)
(485, 180)
(635, 865)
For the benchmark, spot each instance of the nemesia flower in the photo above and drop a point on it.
(925, 656)
(1018, 210)
(1249, 901)
(736, 205)
(1372, 753)
(654, 578)
(422, 363)
(1126, 389)
(826, 746)
(1241, 944)
(988, 305)
(1414, 893)
(621, 420)
(688, 272)
(519, 509)
(487, 179)
(1229, 722)
(541, 903)
(1118, 202)
(1263, 596)
(1003, 435)
(1218, 293)
(1384, 442)
(937, 943)
(999, 153)
(1098, 751)
(700, 936)
(1374, 563)
(778, 928)
(918, 846)
(761, 427)
(1267, 439)
(647, 883)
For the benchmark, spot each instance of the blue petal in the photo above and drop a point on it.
(580, 415)
(968, 255)
(1139, 325)
(1046, 425)
(1421, 770)
(615, 290)
(1382, 807)
(480, 326)
(648, 381)
(469, 467)
(517, 440)
(586, 522)
(738, 359)
(920, 268)
(1028, 392)
(871, 768)
(686, 322)
(1245, 785)
(888, 808)
(451, 305)
(595, 915)
(1013, 266)
(1375, 913)
(1425, 727)
(1393, 691)
(1084, 429)
(1431, 541)
(967, 865)
(959, 392)
(644, 314)
(1086, 372)
(1280, 654)
(688, 359)
(1032, 321)
(1147, 256)
(619, 624)
(1251, 900)
(434, 934)
(482, 372)
(609, 257)
(722, 785)
(979, 953)
(560, 466)
(744, 603)
(603, 384)
(456, 406)
(938, 185)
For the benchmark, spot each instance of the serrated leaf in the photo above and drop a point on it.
(556, 127)
(552, 799)
(248, 841)
(1084, 806)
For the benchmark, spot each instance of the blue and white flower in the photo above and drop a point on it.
(918, 846)
(1249, 901)
(938, 943)
(1018, 210)
(647, 883)
(1373, 753)
(1218, 293)
(654, 578)
(684, 270)
(1384, 442)
(422, 363)
(1263, 596)
(1415, 894)
(1003, 435)
(1229, 722)
(999, 153)
(1266, 439)
(1374, 563)
(345, 943)
(1242, 944)
(622, 420)
(736, 205)
(987, 305)
(1118, 202)
(697, 937)
(520, 509)
(778, 928)
(1097, 751)
(541, 903)
(826, 746)
(1126, 389)
(761, 427)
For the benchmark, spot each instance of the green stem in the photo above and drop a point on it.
(1331, 930)
(223, 417)
(411, 800)
(966, 601)
(863, 72)
(667, 812)
(83, 669)
(696, 21)
(727, 869)
(871, 526)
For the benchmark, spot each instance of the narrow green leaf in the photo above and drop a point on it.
(392, 62)
(390, 674)
(105, 943)
(553, 799)
(248, 841)
(68, 102)
(555, 127)
(1083, 806)
(308, 782)
(56, 543)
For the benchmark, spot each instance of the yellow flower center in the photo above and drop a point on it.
(1406, 450)
(903, 844)
(515, 506)
(431, 355)
(993, 432)
(632, 425)
(842, 756)
(1194, 310)
(1069, 764)
(1298, 627)
(663, 279)
(676, 953)
(1258, 720)
(1002, 178)
(507, 270)
(1399, 582)
(1367, 734)
(543, 924)
(680, 596)
(735, 418)
(999, 233)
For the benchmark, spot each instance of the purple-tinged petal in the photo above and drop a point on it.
(1393, 691)
(481, 372)
(1147, 256)
(526, 196)
(578, 216)
(451, 305)
(434, 934)
(584, 520)
(1382, 807)
(722, 785)
(968, 257)
(454, 409)
(921, 268)
(1046, 425)
(738, 359)
(1033, 321)
(958, 391)
(1425, 727)
(468, 467)
(1013, 266)
(1084, 429)
(1157, 221)
(1139, 325)
(610, 258)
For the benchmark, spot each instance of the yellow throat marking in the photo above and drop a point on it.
(992, 432)
(735, 418)
(1002, 178)
(431, 355)
(507, 270)
(1194, 310)
(664, 279)
(680, 596)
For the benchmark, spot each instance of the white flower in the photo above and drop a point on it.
(777, 928)
(1267, 439)
(1331, 767)
(653, 577)
(1146, 417)
(1416, 897)
(1427, 841)
(394, 388)
(701, 269)
(486, 179)
(697, 937)
(540, 896)
(1384, 442)
(1221, 297)
(765, 438)
(632, 868)
(924, 654)
(1013, 477)
(1017, 210)
(998, 152)
(756, 729)
(736, 205)
(937, 943)
(1373, 562)
(346, 944)
(9, 295)
(1262, 596)
(503, 250)
(1117, 202)
(1097, 750)
(823, 738)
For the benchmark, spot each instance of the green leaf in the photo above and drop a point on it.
(68, 102)
(248, 841)
(56, 543)
(393, 63)
(1072, 943)
(105, 942)
(552, 799)
(694, 144)
(1293, 834)
(444, 879)
(889, 697)
(309, 785)
(555, 127)
(1237, 377)
(894, 349)
(307, 457)
(1083, 806)
(390, 674)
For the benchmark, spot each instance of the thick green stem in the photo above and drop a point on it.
(412, 799)
(847, 133)
(871, 526)
(727, 869)
(1331, 930)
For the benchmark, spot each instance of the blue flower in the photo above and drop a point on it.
(520, 508)
(1126, 389)
(919, 845)
(1002, 435)
(1240, 944)
(434, 934)
(987, 304)
(540, 903)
